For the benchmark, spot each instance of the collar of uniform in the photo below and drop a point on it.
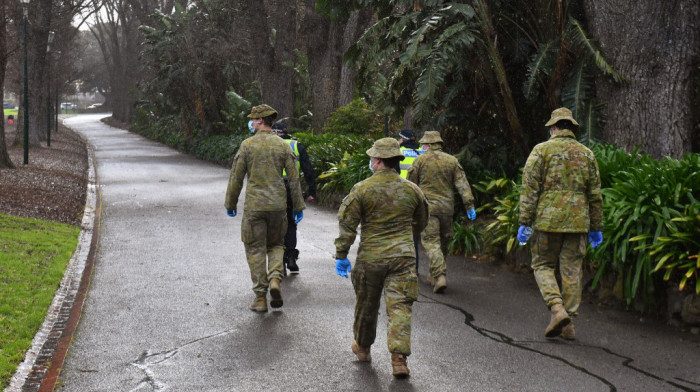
(435, 147)
(261, 131)
(563, 133)
(386, 170)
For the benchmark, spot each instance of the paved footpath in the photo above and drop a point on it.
(167, 307)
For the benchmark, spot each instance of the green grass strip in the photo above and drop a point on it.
(33, 257)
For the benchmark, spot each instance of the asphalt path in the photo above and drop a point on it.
(167, 307)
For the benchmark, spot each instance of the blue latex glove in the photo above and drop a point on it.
(524, 233)
(231, 213)
(471, 214)
(298, 216)
(595, 238)
(342, 267)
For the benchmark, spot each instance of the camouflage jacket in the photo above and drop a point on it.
(561, 187)
(437, 173)
(262, 158)
(390, 210)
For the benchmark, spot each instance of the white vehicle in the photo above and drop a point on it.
(95, 106)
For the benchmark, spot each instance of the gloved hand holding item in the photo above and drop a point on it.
(524, 233)
(595, 238)
(297, 216)
(342, 267)
(231, 213)
(471, 214)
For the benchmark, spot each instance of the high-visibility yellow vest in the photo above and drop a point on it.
(410, 155)
(294, 145)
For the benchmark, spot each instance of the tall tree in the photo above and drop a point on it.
(5, 161)
(655, 45)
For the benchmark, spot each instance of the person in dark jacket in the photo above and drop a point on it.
(291, 254)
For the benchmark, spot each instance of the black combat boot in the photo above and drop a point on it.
(292, 261)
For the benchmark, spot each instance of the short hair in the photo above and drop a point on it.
(269, 120)
(392, 163)
(564, 124)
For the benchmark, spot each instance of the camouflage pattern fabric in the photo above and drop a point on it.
(436, 238)
(567, 249)
(262, 233)
(437, 173)
(397, 278)
(561, 187)
(390, 210)
(262, 158)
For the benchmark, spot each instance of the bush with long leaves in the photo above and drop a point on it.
(651, 225)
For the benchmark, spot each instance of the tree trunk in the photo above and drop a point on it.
(654, 44)
(37, 34)
(324, 40)
(5, 161)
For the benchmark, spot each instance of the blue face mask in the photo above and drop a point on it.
(251, 127)
(370, 166)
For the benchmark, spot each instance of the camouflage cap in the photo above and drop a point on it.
(385, 148)
(431, 137)
(261, 111)
(560, 114)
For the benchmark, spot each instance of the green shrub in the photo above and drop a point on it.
(502, 231)
(329, 149)
(218, 148)
(650, 225)
(467, 237)
(341, 177)
(356, 117)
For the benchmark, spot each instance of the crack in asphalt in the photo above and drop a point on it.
(502, 338)
(147, 359)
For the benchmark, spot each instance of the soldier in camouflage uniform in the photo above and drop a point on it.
(437, 173)
(390, 210)
(262, 158)
(560, 198)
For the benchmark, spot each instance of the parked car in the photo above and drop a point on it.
(7, 105)
(95, 106)
(68, 106)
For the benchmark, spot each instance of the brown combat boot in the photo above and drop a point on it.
(568, 332)
(559, 320)
(399, 365)
(275, 293)
(362, 353)
(440, 284)
(259, 304)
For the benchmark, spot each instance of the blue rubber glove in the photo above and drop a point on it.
(595, 238)
(471, 214)
(231, 213)
(298, 216)
(342, 267)
(524, 233)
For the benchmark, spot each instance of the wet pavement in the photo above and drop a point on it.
(167, 307)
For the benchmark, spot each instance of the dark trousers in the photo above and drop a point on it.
(290, 238)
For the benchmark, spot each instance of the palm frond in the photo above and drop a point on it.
(577, 36)
(541, 63)
(591, 122)
(578, 89)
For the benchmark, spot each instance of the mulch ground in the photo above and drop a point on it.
(52, 186)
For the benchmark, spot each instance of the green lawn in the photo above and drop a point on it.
(33, 258)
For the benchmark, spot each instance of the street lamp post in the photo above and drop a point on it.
(25, 10)
(48, 95)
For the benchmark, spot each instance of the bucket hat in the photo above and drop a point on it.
(261, 111)
(560, 114)
(431, 137)
(385, 148)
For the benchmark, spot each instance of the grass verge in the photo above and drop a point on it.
(33, 258)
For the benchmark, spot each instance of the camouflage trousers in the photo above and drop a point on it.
(435, 238)
(567, 250)
(262, 233)
(397, 278)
